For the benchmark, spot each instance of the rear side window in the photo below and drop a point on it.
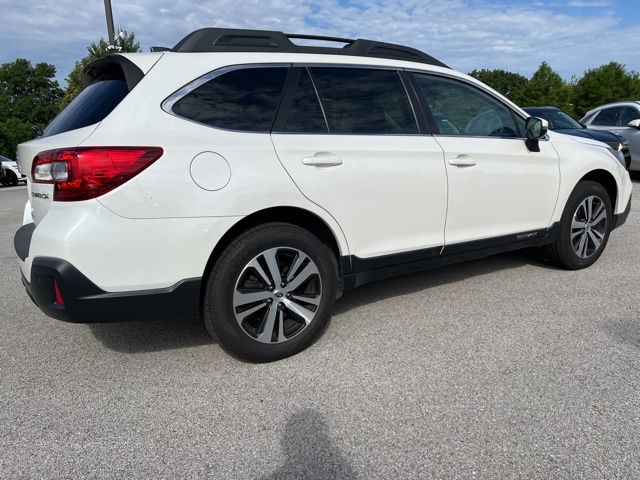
(245, 99)
(305, 114)
(91, 106)
(627, 114)
(364, 101)
(606, 117)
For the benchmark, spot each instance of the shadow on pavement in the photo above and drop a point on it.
(440, 276)
(626, 331)
(144, 337)
(308, 451)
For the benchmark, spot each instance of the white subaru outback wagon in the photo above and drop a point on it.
(248, 180)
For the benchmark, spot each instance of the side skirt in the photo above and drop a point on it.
(359, 271)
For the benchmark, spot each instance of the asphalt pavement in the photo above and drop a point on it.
(495, 369)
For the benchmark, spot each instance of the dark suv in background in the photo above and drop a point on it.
(562, 122)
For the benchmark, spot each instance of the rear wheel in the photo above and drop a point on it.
(11, 179)
(271, 292)
(584, 227)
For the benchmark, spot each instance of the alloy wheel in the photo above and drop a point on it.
(589, 226)
(277, 295)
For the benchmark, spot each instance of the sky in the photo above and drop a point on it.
(572, 35)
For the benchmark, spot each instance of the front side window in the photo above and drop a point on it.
(245, 99)
(627, 114)
(364, 101)
(606, 117)
(461, 109)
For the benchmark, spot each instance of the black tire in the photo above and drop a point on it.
(219, 312)
(561, 253)
(12, 179)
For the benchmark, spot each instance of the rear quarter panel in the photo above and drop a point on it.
(166, 189)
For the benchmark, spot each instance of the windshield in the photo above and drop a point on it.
(558, 120)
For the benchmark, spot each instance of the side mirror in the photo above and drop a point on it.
(535, 129)
(634, 123)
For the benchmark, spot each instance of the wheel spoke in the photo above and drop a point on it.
(582, 246)
(301, 257)
(305, 313)
(596, 241)
(281, 337)
(602, 214)
(313, 300)
(272, 264)
(582, 207)
(240, 298)
(577, 227)
(598, 234)
(268, 324)
(242, 315)
(589, 207)
(309, 270)
(256, 266)
(577, 224)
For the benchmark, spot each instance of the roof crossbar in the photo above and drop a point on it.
(241, 40)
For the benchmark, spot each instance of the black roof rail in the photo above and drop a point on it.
(242, 40)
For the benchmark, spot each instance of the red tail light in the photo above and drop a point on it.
(88, 172)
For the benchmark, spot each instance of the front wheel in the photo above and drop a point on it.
(271, 292)
(584, 227)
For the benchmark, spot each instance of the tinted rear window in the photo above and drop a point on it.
(305, 114)
(627, 114)
(364, 101)
(245, 99)
(93, 105)
(606, 117)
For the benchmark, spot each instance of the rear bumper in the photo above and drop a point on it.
(84, 302)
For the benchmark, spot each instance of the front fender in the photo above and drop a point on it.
(577, 160)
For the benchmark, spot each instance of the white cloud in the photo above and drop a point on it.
(587, 4)
(466, 34)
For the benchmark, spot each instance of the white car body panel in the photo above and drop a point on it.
(508, 190)
(391, 194)
(154, 253)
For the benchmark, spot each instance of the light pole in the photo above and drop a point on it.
(110, 31)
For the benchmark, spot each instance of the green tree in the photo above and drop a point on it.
(29, 97)
(124, 43)
(607, 83)
(507, 83)
(546, 87)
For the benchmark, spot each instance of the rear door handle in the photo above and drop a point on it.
(322, 159)
(462, 160)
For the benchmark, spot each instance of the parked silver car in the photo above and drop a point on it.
(622, 118)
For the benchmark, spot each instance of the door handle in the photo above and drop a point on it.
(322, 159)
(462, 160)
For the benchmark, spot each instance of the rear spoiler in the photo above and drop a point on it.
(112, 67)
